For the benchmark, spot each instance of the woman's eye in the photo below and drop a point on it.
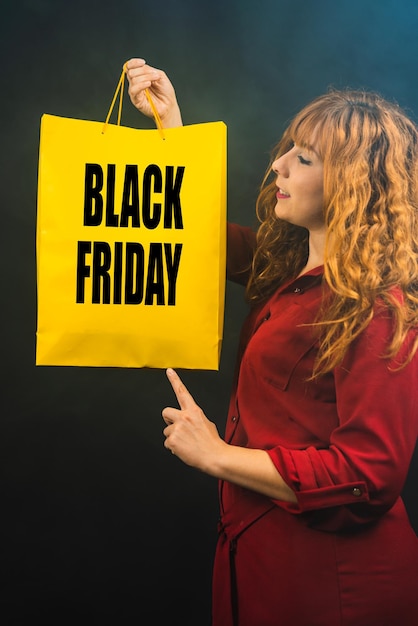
(303, 160)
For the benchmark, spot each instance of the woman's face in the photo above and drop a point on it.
(300, 182)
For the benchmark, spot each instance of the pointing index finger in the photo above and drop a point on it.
(183, 396)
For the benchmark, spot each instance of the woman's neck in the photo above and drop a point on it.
(316, 251)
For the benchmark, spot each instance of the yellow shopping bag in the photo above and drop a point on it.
(130, 244)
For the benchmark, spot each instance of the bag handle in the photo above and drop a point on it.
(119, 91)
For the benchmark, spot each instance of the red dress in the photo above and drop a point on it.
(345, 554)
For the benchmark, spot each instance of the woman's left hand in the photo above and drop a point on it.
(189, 434)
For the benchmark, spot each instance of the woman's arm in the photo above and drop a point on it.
(141, 77)
(359, 476)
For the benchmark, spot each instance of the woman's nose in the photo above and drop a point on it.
(278, 166)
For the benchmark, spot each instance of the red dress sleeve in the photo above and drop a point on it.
(361, 474)
(240, 249)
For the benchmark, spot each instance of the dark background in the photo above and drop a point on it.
(99, 523)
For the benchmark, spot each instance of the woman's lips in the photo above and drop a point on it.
(282, 195)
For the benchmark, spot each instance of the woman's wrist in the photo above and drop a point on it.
(172, 119)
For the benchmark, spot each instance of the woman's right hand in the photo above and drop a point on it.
(142, 76)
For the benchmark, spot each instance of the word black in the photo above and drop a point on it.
(167, 189)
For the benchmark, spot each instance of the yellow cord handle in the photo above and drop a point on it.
(119, 91)
(155, 112)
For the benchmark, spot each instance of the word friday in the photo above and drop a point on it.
(126, 272)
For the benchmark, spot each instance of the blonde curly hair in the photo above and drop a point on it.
(369, 149)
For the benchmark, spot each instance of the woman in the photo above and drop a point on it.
(323, 417)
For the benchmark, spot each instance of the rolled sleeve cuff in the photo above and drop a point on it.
(340, 495)
(314, 489)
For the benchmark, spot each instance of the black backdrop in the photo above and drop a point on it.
(99, 523)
